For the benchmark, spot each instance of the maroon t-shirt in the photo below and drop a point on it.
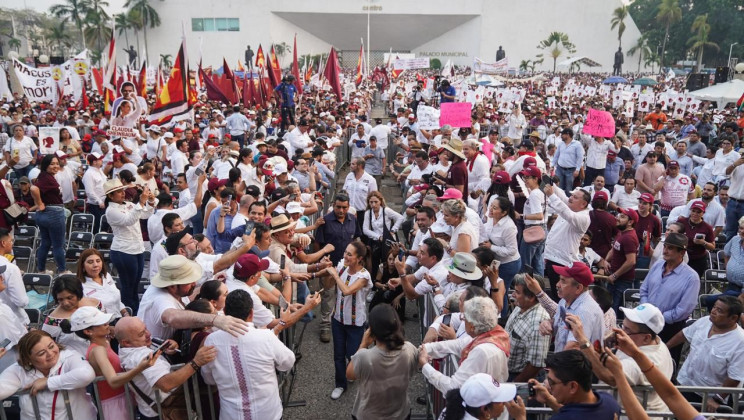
(48, 189)
(458, 175)
(695, 251)
(603, 227)
(626, 242)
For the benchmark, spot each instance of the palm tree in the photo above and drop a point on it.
(557, 43)
(148, 17)
(641, 47)
(652, 59)
(59, 37)
(123, 25)
(97, 30)
(14, 43)
(699, 41)
(72, 10)
(669, 13)
(281, 50)
(165, 61)
(618, 21)
(524, 65)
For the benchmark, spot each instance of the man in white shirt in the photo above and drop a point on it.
(597, 185)
(299, 138)
(596, 158)
(420, 168)
(626, 197)
(430, 256)
(245, 367)
(476, 162)
(381, 132)
(358, 184)
(165, 206)
(179, 158)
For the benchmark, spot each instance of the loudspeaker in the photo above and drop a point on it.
(722, 74)
(697, 81)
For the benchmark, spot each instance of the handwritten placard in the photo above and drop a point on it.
(121, 131)
(600, 124)
(456, 114)
(428, 117)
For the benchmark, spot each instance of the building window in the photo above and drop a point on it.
(215, 24)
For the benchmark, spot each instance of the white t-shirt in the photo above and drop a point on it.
(534, 204)
(352, 309)
(154, 303)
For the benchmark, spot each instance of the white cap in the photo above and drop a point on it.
(441, 227)
(88, 316)
(646, 314)
(279, 169)
(481, 389)
(168, 135)
(294, 207)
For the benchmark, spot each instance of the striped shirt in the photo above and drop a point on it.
(591, 317)
(352, 309)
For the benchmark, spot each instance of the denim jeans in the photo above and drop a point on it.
(197, 222)
(51, 224)
(18, 173)
(130, 269)
(618, 289)
(97, 212)
(734, 211)
(507, 272)
(566, 179)
(346, 341)
(532, 254)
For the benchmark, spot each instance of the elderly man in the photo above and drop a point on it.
(715, 358)
(486, 353)
(528, 347)
(476, 162)
(673, 287)
(641, 324)
(358, 184)
(245, 367)
(134, 346)
(564, 238)
(162, 308)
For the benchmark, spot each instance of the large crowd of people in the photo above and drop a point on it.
(549, 256)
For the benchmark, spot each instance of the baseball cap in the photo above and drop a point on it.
(92, 157)
(88, 316)
(532, 171)
(60, 154)
(577, 271)
(294, 207)
(501, 178)
(252, 190)
(215, 183)
(279, 169)
(248, 265)
(611, 153)
(451, 194)
(168, 135)
(529, 161)
(698, 205)
(646, 197)
(24, 180)
(646, 314)
(632, 214)
(600, 195)
(527, 145)
(481, 389)
(178, 130)
(673, 164)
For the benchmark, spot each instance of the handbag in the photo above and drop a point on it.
(536, 233)
(381, 247)
(15, 212)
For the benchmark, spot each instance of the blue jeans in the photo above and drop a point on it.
(734, 211)
(51, 224)
(130, 269)
(566, 179)
(643, 262)
(346, 341)
(18, 173)
(532, 254)
(197, 222)
(618, 289)
(507, 272)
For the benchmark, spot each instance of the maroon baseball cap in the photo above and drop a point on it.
(215, 183)
(632, 214)
(248, 265)
(532, 171)
(601, 195)
(647, 197)
(501, 178)
(610, 153)
(698, 205)
(577, 271)
(673, 164)
(529, 161)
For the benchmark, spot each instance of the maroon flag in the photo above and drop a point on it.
(296, 68)
(214, 92)
(332, 72)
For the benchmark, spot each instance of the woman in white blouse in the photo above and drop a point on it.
(376, 219)
(353, 283)
(502, 240)
(464, 234)
(48, 371)
(533, 215)
(67, 292)
(98, 283)
(127, 248)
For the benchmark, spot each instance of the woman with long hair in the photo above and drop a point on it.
(214, 292)
(353, 283)
(68, 295)
(50, 214)
(46, 369)
(92, 325)
(127, 248)
(98, 283)
(380, 225)
(128, 113)
(146, 176)
(502, 240)
(383, 366)
(70, 146)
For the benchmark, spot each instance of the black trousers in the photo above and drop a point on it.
(553, 278)
(669, 331)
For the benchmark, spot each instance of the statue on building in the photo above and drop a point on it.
(132, 56)
(619, 59)
(249, 58)
(500, 54)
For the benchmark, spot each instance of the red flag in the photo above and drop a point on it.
(309, 72)
(97, 79)
(275, 72)
(109, 76)
(332, 72)
(262, 94)
(214, 92)
(175, 101)
(296, 68)
(226, 70)
(252, 90)
(396, 73)
(247, 99)
(360, 67)
(260, 59)
(142, 80)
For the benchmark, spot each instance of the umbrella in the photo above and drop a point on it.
(614, 79)
(645, 81)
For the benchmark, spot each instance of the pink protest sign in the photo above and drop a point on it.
(600, 124)
(456, 114)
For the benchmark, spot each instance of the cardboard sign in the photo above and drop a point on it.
(121, 131)
(411, 63)
(456, 114)
(48, 140)
(428, 117)
(599, 124)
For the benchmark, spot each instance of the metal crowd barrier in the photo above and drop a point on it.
(428, 311)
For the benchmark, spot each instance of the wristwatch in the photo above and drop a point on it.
(585, 345)
(435, 289)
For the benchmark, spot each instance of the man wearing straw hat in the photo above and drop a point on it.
(162, 308)
(457, 174)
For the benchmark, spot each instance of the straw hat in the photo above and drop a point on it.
(464, 266)
(455, 146)
(280, 223)
(112, 185)
(175, 270)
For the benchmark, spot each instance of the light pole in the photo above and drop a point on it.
(369, 7)
(731, 48)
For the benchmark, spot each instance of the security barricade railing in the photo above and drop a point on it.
(428, 311)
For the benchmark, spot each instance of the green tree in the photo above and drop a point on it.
(699, 42)
(14, 43)
(165, 61)
(282, 49)
(641, 48)
(651, 60)
(97, 30)
(435, 63)
(524, 65)
(148, 17)
(123, 25)
(618, 21)
(669, 13)
(74, 11)
(58, 36)
(556, 44)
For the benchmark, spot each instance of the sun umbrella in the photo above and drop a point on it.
(614, 79)
(645, 81)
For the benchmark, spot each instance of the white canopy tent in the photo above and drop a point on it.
(722, 93)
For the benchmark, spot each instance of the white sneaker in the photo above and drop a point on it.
(336, 394)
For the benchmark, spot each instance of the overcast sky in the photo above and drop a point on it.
(115, 6)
